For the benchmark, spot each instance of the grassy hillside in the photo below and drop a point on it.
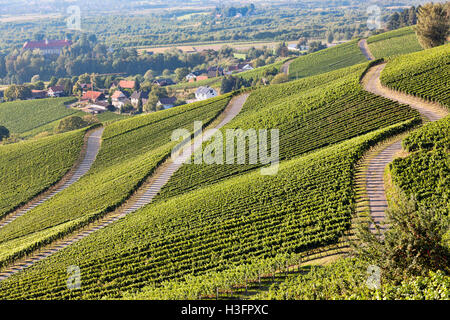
(130, 152)
(310, 113)
(28, 115)
(307, 204)
(400, 41)
(424, 74)
(340, 56)
(28, 168)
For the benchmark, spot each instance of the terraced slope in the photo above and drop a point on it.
(423, 74)
(396, 42)
(307, 204)
(131, 151)
(310, 113)
(340, 56)
(31, 167)
(28, 116)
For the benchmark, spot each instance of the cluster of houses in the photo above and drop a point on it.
(213, 72)
(97, 101)
(53, 92)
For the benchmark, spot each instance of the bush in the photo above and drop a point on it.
(70, 123)
(4, 133)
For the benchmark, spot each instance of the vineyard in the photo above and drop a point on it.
(310, 113)
(340, 56)
(307, 204)
(423, 74)
(392, 43)
(30, 167)
(130, 152)
(425, 173)
(29, 115)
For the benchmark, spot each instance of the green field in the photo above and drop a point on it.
(30, 167)
(307, 204)
(130, 152)
(35, 116)
(400, 41)
(340, 56)
(424, 74)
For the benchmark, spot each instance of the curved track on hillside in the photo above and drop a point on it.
(285, 67)
(142, 197)
(88, 155)
(374, 183)
(365, 49)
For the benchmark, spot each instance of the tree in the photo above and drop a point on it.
(4, 133)
(433, 25)
(149, 75)
(17, 92)
(280, 78)
(413, 243)
(52, 82)
(70, 123)
(152, 101)
(330, 37)
(181, 73)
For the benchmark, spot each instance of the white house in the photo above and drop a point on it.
(118, 99)
(191, 76)
(204, 93)
(247, 67)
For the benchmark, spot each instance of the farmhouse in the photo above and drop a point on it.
(163, 82)
(167, 103)
(204, 93)
(93, 96)
(47, 47)
(118, 99)
(136, 96)
(55, 91)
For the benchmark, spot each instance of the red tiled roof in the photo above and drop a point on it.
(46, 44)
(116, 94)
(126, 84)
(91, 95)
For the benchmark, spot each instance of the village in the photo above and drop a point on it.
(125, 96)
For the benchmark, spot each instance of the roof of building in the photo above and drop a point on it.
(139, 95)
(56, 88)
(127, 84)
(46, 44)
(117, 94)
(170, 100)
(91, 95)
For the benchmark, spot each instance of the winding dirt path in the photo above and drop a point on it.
(142, 197)
(285, 67)
(381, 157)
(365, 49)
(88, 154)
